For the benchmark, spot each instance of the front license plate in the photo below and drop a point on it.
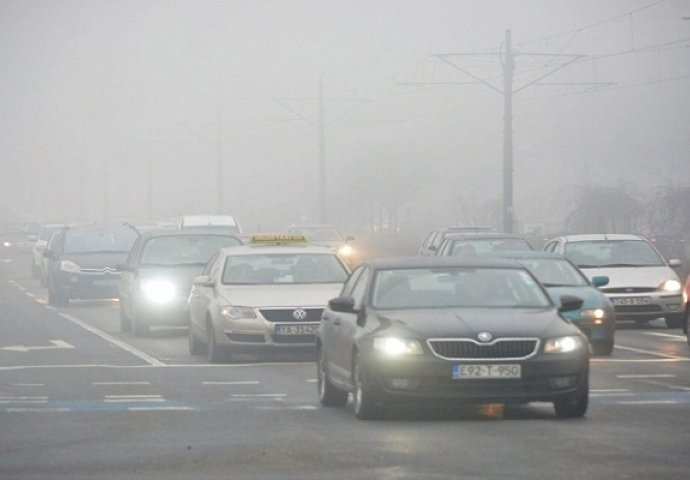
(464, 372)
(310, 329)
(631, 300)
(104, 283)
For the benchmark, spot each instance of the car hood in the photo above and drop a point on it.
(332, 244)
(98, 260)
(181, 276)
(634, 277)
(280, 295)
(469, 322)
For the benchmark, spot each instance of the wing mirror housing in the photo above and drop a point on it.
(342, 304)
(570, 303)
(674, 263)
(600, 280)
(203, 281)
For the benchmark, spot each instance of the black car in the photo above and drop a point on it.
(432, 242)
(155, 282)
(468, 331)
(471, 244)
(81, 261)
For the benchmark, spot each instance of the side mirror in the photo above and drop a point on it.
(600, 280)
(203, 281)
(674, 263)
(342, 304)
(570, 303)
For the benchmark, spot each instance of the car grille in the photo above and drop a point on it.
(286, 314)
(638, 309)
(629, 290)
(294, 338)
(471, 349)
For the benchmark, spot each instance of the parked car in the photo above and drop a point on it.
(266, 296)
(328, 236)
(642, 284)
(471, 244)
(39, 246)
(155, 282)
(435, 238)
(227, 223)
(81, 262)
(460, 330)
(18, 238)
(686, 303)
(596, 317)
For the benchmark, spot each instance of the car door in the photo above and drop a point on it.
(127, 279)
(347, 328)
(201, 296)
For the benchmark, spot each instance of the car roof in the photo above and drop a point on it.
(253, 249)
(434, 262)
(481, 236)
(186, 233)
(521, 254)
(100, 226)
(208, 220)
(601, 237)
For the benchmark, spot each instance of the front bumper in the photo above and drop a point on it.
(646, 306)
(173, 312)
(426, 378)
(88, 286)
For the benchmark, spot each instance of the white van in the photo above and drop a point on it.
(226, 222)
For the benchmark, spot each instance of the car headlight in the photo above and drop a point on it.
(69, 266)
(593, 314)
(670, 286)
(238, 312)
(562, 344)
(345, 250)
(397, 346)
(157, 291)
(7, 244)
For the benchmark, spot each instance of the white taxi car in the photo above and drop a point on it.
(264, 296)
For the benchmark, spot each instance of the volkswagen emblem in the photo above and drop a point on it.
(299, 314)
(484, 337)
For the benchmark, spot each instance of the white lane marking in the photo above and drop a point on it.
(37, 410)
(620, 394)
(50, 307)
(651, 375)
(609, 390)
(137, 367)
(44, 302)
(311, 380)
(276, 407)
(161, 409)
(667, 385)
(248, 382)
(127, 348)
(639, 360)
(22, 397)
(667, 335)
(115, 397)
(120, 383)
(648, 402)
(56, 345)
(261, 395)
(649, 352)
(134, 398)
(29, 294)
(28, 384)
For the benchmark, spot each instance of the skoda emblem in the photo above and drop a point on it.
(299, 314)
(484, 337)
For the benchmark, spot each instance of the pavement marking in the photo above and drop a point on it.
(139, 367)
(678, 338)
(249, 382)
(133, 398)
(55, 344)
(649, 352)
(619, 394)
(30, 295)
(297, 407)
(161, 409)
(609, 390)
(651, 375)
(28, 384)
(120, 383)
(118, 343)
(260, 395)
(640, 360)
(667, 385)
(649, 402)
(311, 380)
(37, 410)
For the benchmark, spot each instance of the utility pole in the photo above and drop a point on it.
(508, 69)
(149, 178)
(219, 162)
(323, 207)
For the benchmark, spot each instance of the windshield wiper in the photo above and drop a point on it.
(558, 285)
(609, 265)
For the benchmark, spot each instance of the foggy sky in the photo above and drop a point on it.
(91, 90)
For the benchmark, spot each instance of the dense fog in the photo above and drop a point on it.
(96, 95)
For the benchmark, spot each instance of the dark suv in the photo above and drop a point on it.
(81, 261)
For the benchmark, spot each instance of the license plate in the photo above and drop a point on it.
(104, 283)
(310, 329)
(464, 372)
(631, 300)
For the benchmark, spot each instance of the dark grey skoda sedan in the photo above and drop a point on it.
(463, 331)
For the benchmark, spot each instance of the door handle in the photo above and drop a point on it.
(336, 321)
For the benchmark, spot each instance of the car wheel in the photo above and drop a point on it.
(139, 328)
(675, 321)
(329, 395)
(214, 353)
(365, 405)
(125, 322)
(573, 405)
(196, 346)
(57, 298)
(602, 347)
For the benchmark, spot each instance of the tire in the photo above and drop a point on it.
(675, 321)
(57, 298)
(329, 394)
(125, 322)
(214, 353)
(602, 347)
(139, 329)
(574, 405)
(196, 346)
(365, 405)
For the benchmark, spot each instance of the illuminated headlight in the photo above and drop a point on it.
(158, 291)
(238, 312)
(6, 244)
(593, 314)
(345, 251)
(397, 346)
(70, 267)
(670, 286)
(562, 344)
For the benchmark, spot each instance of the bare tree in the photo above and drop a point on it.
(600, 209)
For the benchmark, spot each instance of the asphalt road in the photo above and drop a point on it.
(80, 400)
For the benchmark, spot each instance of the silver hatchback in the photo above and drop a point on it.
(642, 284)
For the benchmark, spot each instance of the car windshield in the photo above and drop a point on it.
(266, 269)
(20, 229)
(318, 234)
(613, 253)
(46, 232)
(456, 287)
(183, 249)
(470, 247)
(554, 272)
(99, 240)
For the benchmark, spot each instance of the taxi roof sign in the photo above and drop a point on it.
(279, 239)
